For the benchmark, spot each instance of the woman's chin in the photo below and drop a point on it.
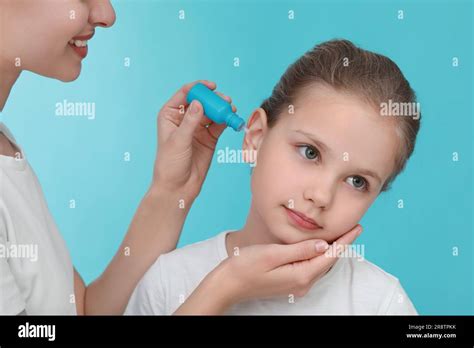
(69, 78)
(63, 72)
(68, 75)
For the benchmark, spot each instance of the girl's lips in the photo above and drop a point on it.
(300, 220)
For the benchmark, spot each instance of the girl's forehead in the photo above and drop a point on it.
(343, 114)
(317, 97)
(340, 110)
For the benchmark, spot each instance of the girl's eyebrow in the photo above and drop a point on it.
(322, 145)
(326, 149)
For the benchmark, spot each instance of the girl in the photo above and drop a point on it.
(325, 151)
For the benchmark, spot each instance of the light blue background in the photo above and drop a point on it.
(82, 159)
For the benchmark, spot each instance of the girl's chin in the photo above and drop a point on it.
(290, 237)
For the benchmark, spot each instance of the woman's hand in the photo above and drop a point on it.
(261, 271)
(186, 143)
(185, 149)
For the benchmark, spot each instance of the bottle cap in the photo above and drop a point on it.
(236, 122)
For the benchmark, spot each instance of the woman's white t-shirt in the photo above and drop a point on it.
(36, 271)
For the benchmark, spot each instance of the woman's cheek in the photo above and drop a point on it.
(61, 26)
(72, 22)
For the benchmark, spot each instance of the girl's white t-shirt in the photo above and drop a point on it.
(36, 271)
(353, 286)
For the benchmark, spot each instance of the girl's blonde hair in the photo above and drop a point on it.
(345, 67)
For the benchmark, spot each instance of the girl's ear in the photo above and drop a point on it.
(256, 130)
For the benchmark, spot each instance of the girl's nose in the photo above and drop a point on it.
(320, 192)
(102, 14)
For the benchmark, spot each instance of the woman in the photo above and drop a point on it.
(50, 38)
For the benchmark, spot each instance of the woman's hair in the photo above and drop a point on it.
(347, 68)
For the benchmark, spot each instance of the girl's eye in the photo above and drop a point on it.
(358, 182)
(312, 153)
(308, 151)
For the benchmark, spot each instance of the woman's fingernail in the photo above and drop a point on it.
(321, 245)
(194, 108)
(359, 230)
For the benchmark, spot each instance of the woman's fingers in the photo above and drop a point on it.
(179, 112)
(179, 98)
(215, 130)
(326, 261)
(192, 119)
(309, 249)
(227, 99)
(281, 254)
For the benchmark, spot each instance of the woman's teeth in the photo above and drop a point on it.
(78, 43)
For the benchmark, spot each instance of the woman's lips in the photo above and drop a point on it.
(80, 47)
(81, 51)
(301, 220)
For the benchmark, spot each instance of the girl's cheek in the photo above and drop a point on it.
(346, 216)
(269, 177)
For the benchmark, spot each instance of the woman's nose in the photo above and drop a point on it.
(102, 14)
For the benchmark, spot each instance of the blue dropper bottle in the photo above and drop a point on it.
(216, 108)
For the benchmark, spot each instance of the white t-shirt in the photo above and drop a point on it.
(352, 286)
(36, 272)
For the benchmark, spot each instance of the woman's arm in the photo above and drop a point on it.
(155, 229)
(185, 150)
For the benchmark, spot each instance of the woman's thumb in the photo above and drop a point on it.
(190, 121)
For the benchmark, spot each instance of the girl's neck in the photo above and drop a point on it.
(254, 232)
(8, 76)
